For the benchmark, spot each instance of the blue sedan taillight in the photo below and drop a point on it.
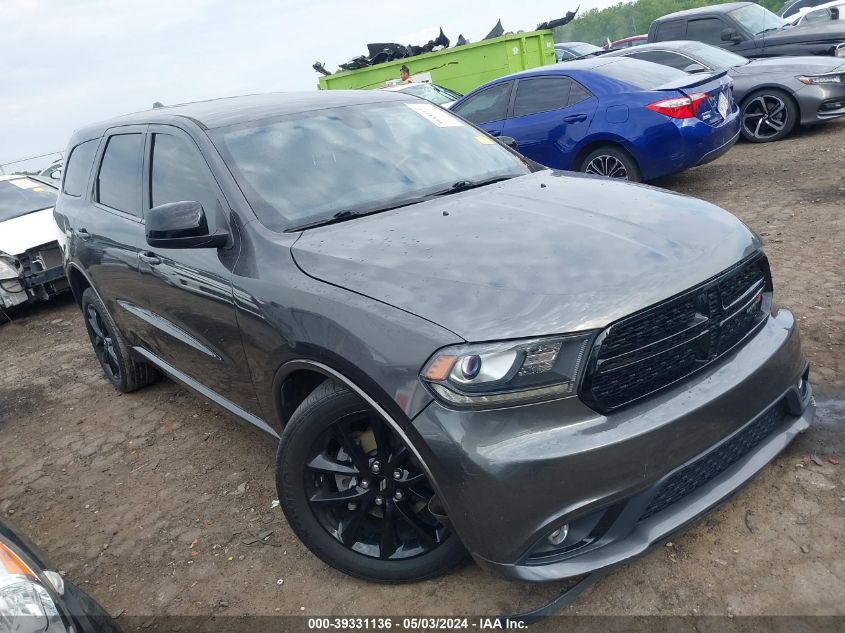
(679, 107)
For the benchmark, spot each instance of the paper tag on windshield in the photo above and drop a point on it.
(24, 183)
(435, 114)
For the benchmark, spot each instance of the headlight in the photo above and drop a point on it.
(7, 270)
(813, 80)
(25, 605)
(491, 375)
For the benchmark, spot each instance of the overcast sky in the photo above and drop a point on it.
(64, 63)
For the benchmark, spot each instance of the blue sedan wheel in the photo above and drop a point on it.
(612, 163)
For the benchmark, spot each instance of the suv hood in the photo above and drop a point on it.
(28, 231)
(818, 32)
(803, 65)
(540, 254)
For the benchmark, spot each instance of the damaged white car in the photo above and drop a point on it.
(31, 267)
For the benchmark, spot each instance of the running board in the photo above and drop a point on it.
(201, 389)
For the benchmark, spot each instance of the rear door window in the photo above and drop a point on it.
(578, 93)
(179, 174)
(78, 167)
(708, 30)
(119, 180)
(488, 105)
(672, 30)
(541, 94)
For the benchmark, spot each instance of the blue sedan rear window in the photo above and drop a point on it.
(641, 74)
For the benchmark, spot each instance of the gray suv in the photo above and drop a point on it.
(455, 349)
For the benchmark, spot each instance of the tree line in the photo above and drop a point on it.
(629, 18)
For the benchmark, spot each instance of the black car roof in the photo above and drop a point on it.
(231, 110)
(713, 8)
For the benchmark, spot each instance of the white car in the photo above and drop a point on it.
(430, 92)
(821, 13)
(31, 266)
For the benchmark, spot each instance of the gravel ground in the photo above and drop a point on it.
(153, 501)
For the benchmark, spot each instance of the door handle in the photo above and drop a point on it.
(575, 118)
(83, 234)
(150, 258)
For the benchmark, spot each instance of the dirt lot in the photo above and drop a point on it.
(141, 499)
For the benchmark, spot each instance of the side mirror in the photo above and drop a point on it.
(695, 68)
(181, 225)
(729, 34)
(509, 141)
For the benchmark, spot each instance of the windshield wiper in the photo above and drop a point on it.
(348, 214)
(464, 185)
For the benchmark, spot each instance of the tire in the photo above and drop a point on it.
(323, 426)
(615, 160)
(767, 115)
(124, 373)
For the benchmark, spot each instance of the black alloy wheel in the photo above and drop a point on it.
(768, 115)
(366, 490)
(356, 495)
(125, 373)
(103, 343)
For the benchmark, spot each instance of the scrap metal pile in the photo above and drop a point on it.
(382, 52)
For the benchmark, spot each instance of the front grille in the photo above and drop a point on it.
(717, 461)
(661, 345)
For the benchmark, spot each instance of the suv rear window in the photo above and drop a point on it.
(78, 167)
(118, 183)
(643, 75)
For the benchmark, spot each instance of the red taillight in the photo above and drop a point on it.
(680, 107)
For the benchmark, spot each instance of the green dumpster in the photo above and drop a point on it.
(462, 68)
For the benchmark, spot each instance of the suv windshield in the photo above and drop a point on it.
(757, 19)
(309, 167)
(715, 57)
(20, 196)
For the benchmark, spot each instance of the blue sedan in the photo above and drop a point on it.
(616, 117)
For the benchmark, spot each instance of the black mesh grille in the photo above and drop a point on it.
(717, 461)
(666, 343)
(736, 285)
(645, 331)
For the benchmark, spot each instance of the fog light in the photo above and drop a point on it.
(558, 536)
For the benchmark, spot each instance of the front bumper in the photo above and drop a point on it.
(508, 477)
(41, 276)
(821, 102)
